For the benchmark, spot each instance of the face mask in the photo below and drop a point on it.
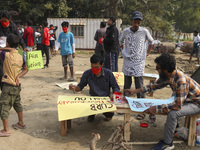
(18, 28)
(96, 70)
(64, 29)
(5, 24)
(51, 28)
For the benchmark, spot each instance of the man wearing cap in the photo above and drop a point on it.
(133, 40)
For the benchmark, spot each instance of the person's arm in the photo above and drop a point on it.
(7, 49)
(73, 46)
(96, 36)
(149, 88)
(55, 28)
(150, 42)
(122, 39)
(82, 84)
(24, 71)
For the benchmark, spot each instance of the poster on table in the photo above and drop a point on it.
(141, 104)
(34, 60)
(119, 76)
(70, 107)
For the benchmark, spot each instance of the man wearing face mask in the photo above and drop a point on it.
(8, 27)
(66, 40)
(100, 80)
(185, 90)
(133, 42)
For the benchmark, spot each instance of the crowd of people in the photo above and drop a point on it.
(136, 43)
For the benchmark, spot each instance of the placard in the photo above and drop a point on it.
(34, 60)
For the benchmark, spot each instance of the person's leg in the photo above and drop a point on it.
(139, 84)
(127, 82)
(20, 118)
(72, 71)
(71, 68)
(64, 63)
(107, 60)
(172, 118)
(47, 56)
(191, 54)
(116, 59)
(65, 72)
(112, 62)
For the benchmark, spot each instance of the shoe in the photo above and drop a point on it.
(17, 126)
(71, 79)
(163, 146)
(90, 118)
(45, 66)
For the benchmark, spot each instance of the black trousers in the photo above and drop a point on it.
(45, 50)
(138, 84)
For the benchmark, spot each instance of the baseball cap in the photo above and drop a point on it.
(137, 15)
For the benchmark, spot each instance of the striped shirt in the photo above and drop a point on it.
(135, 50)
(184, 88)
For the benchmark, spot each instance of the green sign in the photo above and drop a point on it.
(34, 60)
(20, 51)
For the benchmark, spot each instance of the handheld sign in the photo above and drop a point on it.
(70, 107)
(34, 60)
(20, 51)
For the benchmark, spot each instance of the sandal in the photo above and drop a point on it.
(71, 79)
(140, 116)
(4, 134)
(17, 126)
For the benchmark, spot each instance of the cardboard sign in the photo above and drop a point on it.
(20, 51)
(70, 107)
(34, 60)
(141, 104)
(119, 76)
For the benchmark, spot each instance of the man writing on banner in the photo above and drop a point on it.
(185, 90)
(100, 80)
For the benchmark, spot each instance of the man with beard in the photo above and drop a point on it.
(185, 90)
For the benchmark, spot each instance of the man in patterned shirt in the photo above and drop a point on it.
(135, 40)
(185, 90)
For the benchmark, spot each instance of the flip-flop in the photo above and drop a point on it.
(140, 116)
(17, 126)
(71, 79)
(3, 134)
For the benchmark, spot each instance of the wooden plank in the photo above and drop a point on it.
(149, 143)
(127, 128)
(63, 128)
(192, 131)
(187, 121)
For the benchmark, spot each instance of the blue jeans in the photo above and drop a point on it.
(172, 119)
(24, 53)
(109, 62)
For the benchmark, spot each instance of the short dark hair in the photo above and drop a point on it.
(65, 24)
(196, 31)
(166, 62)
(96, 59)
(113, 19)
(5, 14)
(13, 40)
(45, 23)
(51, 25)
(103, 24)
(29, 23)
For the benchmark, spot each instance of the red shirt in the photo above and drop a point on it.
(46, 36)
(28, 36)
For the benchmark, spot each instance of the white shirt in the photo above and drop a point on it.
(135, 50)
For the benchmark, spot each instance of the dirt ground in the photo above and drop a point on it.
(39, 96)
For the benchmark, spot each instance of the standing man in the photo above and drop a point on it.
(7, 27)
(111, 43)
(38, 36)
(99, 37)
(195, 49)
(45, 43)
(135, 51)
(185, 90)
(100, 81)
(28, 37)
(52, 39)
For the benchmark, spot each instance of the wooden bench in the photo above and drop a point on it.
(190, 123)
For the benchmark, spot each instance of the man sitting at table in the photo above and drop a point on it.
(185, 90)
(100, 80)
